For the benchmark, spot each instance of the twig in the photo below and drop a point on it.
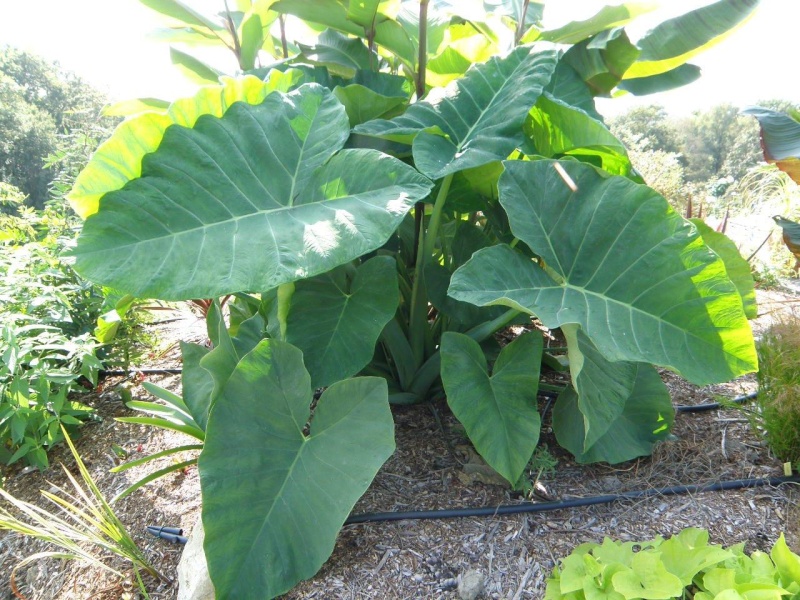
(565, 176)
(766, 239)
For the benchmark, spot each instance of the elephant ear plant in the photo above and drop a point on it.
(377, 232)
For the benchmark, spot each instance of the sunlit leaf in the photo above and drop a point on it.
(620, 263)
(263, 176)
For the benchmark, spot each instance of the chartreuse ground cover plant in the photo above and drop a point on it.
(683, 566)
(380, 202)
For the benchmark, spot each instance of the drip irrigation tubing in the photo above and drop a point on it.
(510, 509)
(513, 509)
(690, 408)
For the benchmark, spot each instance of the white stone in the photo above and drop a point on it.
(193, 580)
(470, 585)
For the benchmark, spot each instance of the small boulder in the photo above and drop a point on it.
(471, 585)
(194, 582)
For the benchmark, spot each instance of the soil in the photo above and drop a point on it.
(432, 468)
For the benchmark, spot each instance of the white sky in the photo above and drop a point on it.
(105, 41)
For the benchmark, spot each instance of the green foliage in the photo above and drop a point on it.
(305, 469)
(39, 102)
(366, 230)
(778, 417)
(719, 142)
(47, 313)
(683, 566)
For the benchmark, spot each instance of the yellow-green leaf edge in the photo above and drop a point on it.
(119, 159)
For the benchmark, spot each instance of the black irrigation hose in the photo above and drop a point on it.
(544, 393)
(512, 509)
(715, 405)
(546, 506)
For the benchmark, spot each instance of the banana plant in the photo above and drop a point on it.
(417, 178)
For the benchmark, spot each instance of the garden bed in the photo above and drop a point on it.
(434, 468)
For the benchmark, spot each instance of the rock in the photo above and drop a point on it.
(470, 585)
(193, 580)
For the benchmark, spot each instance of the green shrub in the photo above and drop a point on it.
(778, 417)
(683, 566)
(47, 313)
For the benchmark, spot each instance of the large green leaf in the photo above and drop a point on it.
(462, 47)
(569, 87)
(127, 108)
(175, 9)
(606, 18)
(371, 95)
(119, 159)
(275, 494)
(737, 267)
(476, 119)
(193, 68)
(206, 371)
(254, 31)
(646, 419)
(620, 263)
(676, 41)
(654, 84)
(337, 318)
(334, 14)
(248, 201)
(196, 383)
(603, 60)
(780, 138)
(557, 129)
(603, 387)
(342, 55)
(499, 411)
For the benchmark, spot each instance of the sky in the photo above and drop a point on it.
(106, 42)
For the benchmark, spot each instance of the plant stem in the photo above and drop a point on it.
(284, 45)
(237, 48)
(419, 297)
(521, 25)
(422, 63)
(431, 369)
(436, 218)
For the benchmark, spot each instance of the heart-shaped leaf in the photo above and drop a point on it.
(780, 138)
(274, 496)
(620, 263)
(336, 320)
(476, 119)
(247, 201)
(337, 15)
(645, 419)
(499, 411)
(603, 387)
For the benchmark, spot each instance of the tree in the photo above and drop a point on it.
(719, 143)
(647, 128)
(39, 101)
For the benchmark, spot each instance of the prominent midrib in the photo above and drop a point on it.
(207, 226)
(687, 333)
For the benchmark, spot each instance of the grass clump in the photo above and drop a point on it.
(80, 524)
(779, 389)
